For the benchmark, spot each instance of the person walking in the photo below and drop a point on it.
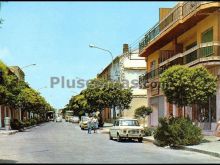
(217, 129)
(95, 123)
(89, 124)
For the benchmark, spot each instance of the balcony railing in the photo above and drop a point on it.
(199, 51)
(180, 11)
(165, 54)
(205, 52)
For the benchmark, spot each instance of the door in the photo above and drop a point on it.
(154, 116)
(114, 129)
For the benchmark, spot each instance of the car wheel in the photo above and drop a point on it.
(118, 138)
(110, 137)
(140, 140)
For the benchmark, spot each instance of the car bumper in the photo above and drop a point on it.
(133, 136)
(83, 126)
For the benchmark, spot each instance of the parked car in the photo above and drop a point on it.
(83, 122)
(75, 119)
(126, 129)
(59, 119)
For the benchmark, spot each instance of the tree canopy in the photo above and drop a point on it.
(101, 94)
(143, 111)
(185, 86)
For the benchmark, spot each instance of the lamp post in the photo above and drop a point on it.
(42, 88)
(28, 66)
(94, 46)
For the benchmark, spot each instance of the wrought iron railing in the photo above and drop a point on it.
(180, 11)
(201, 53)
(165, 54)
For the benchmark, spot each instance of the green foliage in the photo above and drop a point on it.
(177, 132)
(17, 93)
(185, 86)
(17, 124)
(148, 131)
(98, 95)
(143, 111)
(27, 123)
(204, 85)
(33, 121)
(101, 94)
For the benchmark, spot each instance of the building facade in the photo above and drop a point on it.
(126, 69)
(7, 111)
(187, 34)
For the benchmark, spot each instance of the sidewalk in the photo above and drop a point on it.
(210, 147)
(9, 132)
(105, 128)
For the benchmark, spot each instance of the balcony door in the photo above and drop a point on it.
(207, 36)
(191, 56)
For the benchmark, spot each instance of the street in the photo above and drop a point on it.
(65, 143)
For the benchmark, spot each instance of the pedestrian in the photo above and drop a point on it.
(95, 123)
(89, 124)
(217, 129)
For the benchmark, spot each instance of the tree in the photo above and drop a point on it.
(185, 86)
(96, 94)
(143, 111)
(79, 105)
(203, 85)
(101, 94)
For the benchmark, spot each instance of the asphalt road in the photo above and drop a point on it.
(66, 143)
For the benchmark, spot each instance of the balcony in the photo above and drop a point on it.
(182, 17)
(195, 55)
(160, 27)
(205, 53)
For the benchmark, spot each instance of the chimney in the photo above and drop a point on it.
(125, 48)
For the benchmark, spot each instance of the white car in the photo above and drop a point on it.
(75, 119)
(126, 129)
(59, 119)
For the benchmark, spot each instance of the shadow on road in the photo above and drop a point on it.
(127, 141)
(3, 161)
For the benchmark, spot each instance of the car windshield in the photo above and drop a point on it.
(129, 123)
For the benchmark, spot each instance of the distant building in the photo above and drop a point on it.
(127, 68)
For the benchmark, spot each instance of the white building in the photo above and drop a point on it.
(126, 69)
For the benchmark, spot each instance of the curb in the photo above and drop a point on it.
(29, 127)
(149, 140)
(9, 133)
(202, 151)
(191, 149)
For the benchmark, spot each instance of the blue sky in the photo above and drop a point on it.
(56, 35)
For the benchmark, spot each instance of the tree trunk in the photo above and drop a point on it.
(184, 111)
(144, 121)
(210, 118)
(114, 113)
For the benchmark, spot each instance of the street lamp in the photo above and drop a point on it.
(28, 66)
(94, 46)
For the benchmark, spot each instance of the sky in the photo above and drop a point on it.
(56, 36)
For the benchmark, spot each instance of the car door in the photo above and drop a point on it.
(114, 129)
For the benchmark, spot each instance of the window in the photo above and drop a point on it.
(129, 123)
(191, 56)
(207, 36)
